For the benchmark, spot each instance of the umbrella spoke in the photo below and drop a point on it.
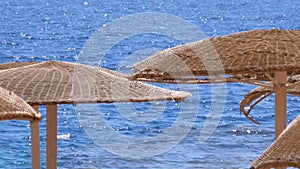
(242, 107)
(273, 81)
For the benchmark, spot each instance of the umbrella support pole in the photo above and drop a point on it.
(51, 137)
(280, 102)
(35, 141)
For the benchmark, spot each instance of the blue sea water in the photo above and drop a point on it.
(43, 30)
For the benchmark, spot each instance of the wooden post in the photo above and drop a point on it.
(35, 142)
(280, 102)
(51, 140)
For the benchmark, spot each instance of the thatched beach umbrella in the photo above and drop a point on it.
(284, 151)
(13, 107)
(53, 82)
(251, 57)
(246, 54)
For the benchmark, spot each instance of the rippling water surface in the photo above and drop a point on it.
(58, 30)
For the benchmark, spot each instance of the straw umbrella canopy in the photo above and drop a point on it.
(284, 151)
(13, 107)
(53, 82)
(10, 65)
(251, 57)
(251, 54)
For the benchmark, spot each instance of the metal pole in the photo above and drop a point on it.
(35, 141)
(51, 148)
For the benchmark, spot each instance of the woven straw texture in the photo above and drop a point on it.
(10, 65)
(284, 151)
(62, 82)
(252, 52)
(13, 107)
